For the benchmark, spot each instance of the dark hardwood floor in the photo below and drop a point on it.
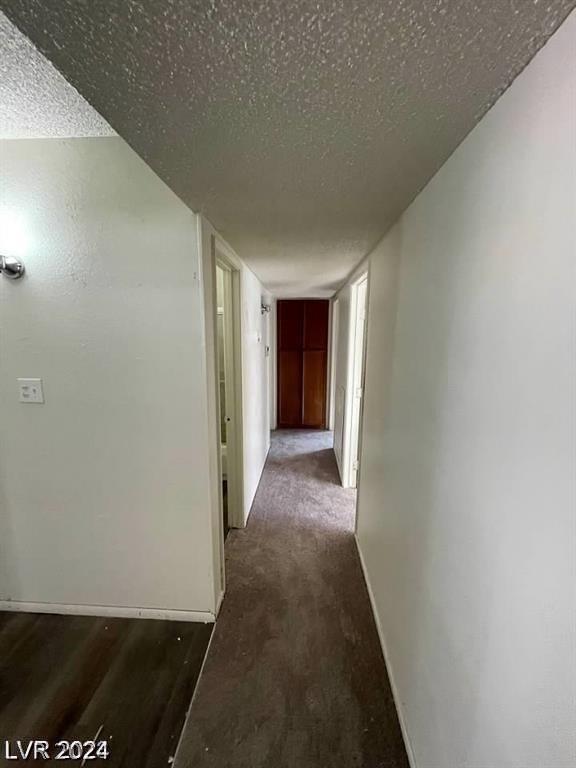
(72, 677)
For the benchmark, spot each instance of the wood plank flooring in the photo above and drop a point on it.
(69, 677)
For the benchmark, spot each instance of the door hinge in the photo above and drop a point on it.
(356, 466)
(359, 392)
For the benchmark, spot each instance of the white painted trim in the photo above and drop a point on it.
(226, 251)
(354, 363)
(209, 363)
(273, 394)
(232, 267)
(364, 379)
(357, 378)
(399, 710)
(333, 325)
(110, 611)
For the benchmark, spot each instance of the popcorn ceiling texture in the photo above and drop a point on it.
(35, 100)
(301, 129)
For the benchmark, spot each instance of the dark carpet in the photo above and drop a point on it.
(294, 676)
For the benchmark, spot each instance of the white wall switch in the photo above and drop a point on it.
(30, 390)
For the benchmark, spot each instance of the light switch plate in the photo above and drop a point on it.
(30, 390)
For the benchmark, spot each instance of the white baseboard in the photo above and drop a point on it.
(339, 468)
(399, 710)
(111, 611)
(258, 483)
(219, 603)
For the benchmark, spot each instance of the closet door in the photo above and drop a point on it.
(290, 320)
(314, 363)
(302, 362)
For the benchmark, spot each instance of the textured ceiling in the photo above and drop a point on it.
(301, 129)
(35, 100)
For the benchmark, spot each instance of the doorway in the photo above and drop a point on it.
(229, 390)
(351, 396)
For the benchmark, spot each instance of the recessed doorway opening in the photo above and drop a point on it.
(349, 385)
(229, 389)
(358, 363)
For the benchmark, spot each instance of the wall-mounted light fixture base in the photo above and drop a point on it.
(11, 267)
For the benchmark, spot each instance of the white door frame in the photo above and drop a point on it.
(333, 350)
(355, 380)
(233, 366)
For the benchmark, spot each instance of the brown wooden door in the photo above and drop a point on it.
(302, 362)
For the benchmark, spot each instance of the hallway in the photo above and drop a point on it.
(224, 225)
(294, 676)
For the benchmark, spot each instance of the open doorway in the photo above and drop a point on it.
(222, 343)
(358, 338)
(229, 390)
(349, 391)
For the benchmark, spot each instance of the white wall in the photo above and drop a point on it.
(466, 508)
(104, 488)
(255, 385)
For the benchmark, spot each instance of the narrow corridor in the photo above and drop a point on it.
(222, 220)
(294, 676)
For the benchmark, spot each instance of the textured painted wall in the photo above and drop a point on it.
(301, 129)
(466, 508)
(256, 385)
(104, 489)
